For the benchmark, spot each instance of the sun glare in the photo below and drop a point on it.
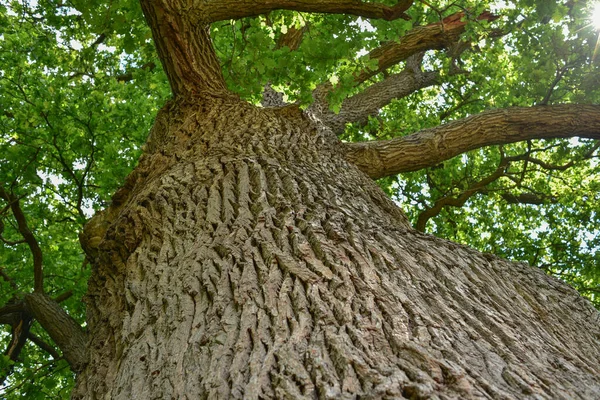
(594, 21)
(595, 16)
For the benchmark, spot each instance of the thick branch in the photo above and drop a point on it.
(184, 47)
(64, 330)
(410, 48)
(435, 36)
(429, 147)
(64, 296)
(11, 309)
(19, 334)
(367, 103)
(219, 10)
(29, 238)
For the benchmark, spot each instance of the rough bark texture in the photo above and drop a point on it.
(430, 147)
(218, 10)
(185, 48)
(436, 36)
(246, 258)
(369, 102)
(61, 327)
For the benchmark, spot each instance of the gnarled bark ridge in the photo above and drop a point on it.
(246, 258)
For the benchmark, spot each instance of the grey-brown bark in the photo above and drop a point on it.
(245, 257)
(68, 335)
(430, 147)
(34, 247)
(367, 103)
(184, 47)
(218, 10)
(248, 259)
(440, 35)
(61, 327)
(410, 48)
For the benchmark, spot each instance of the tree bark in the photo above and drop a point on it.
(219, 10)
(61, 327)
(185, 49)
(436, 36)
(28, 237)
(409, 48)
(246, 258)
(369, 102)
(430, 147)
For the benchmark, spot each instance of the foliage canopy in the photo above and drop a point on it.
(80, 83)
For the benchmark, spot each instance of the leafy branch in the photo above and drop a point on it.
(461, 199)
(530, 197)
(23, 309)
(410, 48)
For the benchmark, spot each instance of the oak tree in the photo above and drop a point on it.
(242, 249)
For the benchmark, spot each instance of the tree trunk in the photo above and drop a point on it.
(245, 258)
